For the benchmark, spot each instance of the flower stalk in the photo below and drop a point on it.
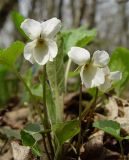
(46, 118)
(80, 119)
(92, 108)
(37, 108)
(122, 151)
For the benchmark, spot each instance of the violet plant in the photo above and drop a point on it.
(48, 48)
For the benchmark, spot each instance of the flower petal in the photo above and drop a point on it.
(32, 28)
(52, 49)
(114, 76)
(28, 51)
(106, 85)
(79, 55)
(41, 54)
(100, 58)
(92, 76)
(106, 70)
(109, 79)
(50, 27)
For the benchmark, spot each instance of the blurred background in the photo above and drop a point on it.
(109, 17)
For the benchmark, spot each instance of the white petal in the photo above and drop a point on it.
(79, 55)
(106, 70)
(109, 78)
(41, 54)
(106, 85)
(100, 58)
(92, 76)
(50, 27)
(114, 76)
(28, 51)
(52, 49)
(32, 28)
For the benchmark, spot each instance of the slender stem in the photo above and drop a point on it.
(93, 105)
(95, 99)
(90, 112)
(80, 118)
(86, 110)
(45, 146)
(122, 151)
(37, 108)
(46, 118)
(66, 73)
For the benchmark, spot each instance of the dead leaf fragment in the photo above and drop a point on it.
(20, 152)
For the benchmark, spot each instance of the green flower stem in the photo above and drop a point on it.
(46, 118)
(122, 151)
(93, 105)
(67, 72)
(80, 119)
(45, 146)
(86, 110)
(90, 111)
(37, 108)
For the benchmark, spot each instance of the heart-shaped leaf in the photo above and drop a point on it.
(66, 130)
(110, 127)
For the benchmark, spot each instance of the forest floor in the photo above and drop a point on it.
(96, 144)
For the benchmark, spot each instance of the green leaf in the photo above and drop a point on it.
(110, 127)
(33, 128)
(55, 72)
(8, 85)
(73, 74)
(127, 137)
(37, 91)
(66, 130)
(51, 105)
(77, 37)
(120, 61)
(27, 139)
(9, 55)
(18, 19)
(5, 93)
(36, 150)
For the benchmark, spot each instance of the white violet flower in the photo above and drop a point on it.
(43, 47)
(92, 74)
(110, 77)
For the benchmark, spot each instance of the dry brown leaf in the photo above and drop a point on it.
(94, 146)
(16, 118)
(112, 108)
(6, 156)
(20, 152)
